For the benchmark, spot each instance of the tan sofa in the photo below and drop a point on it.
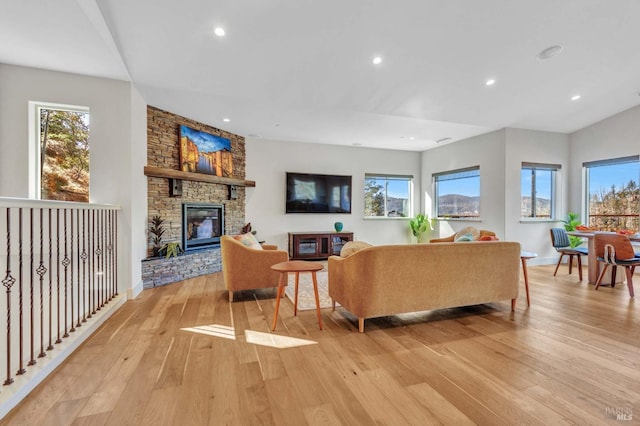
(246, 268)
(393, 279)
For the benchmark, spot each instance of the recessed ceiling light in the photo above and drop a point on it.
(549, 52)
(226, 120)
(411, 138)
(575, 97)
(490, 82)
(219, 31)
(377, 60)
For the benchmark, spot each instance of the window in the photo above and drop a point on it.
(457, 193)
(387, 195)
(537, 182)
(60, 152)
(613, 195)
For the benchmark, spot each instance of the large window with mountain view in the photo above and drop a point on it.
(62, 152)
(387, 195)
(613, 193)
(537, 186)
(457, 193)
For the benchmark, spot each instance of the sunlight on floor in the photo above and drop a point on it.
(216, 330)
(254, 337)
(275, 340)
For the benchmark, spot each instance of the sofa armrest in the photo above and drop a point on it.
(269, 247)
(448, 239)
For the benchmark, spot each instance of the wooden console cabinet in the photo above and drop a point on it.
(317, 245)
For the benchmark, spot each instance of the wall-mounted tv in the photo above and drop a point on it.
(315, 193)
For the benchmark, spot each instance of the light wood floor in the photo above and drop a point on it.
(573, 357)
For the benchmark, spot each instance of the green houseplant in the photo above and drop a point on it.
(156, 231)
(570, 225)
(171, 249)
(419, 225)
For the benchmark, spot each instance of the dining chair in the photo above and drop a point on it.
(616, 250)
(560, 242)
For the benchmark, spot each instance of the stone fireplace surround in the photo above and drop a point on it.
(163, 152)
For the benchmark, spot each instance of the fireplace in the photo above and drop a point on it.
(202, 225)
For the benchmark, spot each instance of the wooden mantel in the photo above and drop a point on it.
(197, 177)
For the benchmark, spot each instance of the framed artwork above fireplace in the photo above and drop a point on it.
(202, 152)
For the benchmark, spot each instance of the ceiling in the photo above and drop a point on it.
(301, 70)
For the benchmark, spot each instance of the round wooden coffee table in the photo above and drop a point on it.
(296, 266)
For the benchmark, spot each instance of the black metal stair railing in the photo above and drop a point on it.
(59, 266)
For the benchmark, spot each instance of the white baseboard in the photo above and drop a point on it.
(133, 292)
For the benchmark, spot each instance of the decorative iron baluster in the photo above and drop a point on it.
(72, 329)
(58, 340)
(32, 361)
(115, 254)
(65, 263)
(50, 347)
(84, 256)
(78, 324)
(21, 369)
(41, 271)
(110, 248)
(93, 262)
(8, 282)
(99, 260)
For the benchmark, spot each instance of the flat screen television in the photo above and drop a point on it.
(315, 193)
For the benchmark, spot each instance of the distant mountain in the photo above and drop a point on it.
(456, 204)
(543, 207)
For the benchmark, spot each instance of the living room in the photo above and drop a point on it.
(119, 155)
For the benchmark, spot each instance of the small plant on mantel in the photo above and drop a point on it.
(156, 231)
(171, 249)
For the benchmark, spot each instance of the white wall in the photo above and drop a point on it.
(617, 136)
(118, 146)
(486, 151)
(534, 147)
(267, 162)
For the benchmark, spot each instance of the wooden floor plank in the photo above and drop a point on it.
(180, 354)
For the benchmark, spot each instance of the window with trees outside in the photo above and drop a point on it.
(537, 182)
(387, 195)
(613, 193)
(457, 193)
(62, 153)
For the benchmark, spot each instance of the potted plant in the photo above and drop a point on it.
(419, 226)
(570, 225)
(156, 231)
(171, 249)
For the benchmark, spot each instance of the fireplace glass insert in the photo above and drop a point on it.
(202, 225)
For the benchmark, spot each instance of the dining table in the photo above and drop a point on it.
(594, 265)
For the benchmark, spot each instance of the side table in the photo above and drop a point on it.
(524, 256)
(296, 266)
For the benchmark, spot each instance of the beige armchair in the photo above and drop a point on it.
(245, 268)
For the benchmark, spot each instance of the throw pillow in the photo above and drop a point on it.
(248, 240)
(475, 233)
(464, 237)
(488, 238)
(353, 246)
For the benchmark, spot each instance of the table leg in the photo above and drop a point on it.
(295, 302)
(594, 266)
(315, 291)
(526, 278)
(281, 285)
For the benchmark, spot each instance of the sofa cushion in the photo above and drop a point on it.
(248, 240)
(353, 246)
(475, 233)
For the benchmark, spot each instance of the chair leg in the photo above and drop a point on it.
(604, 269)
(570, 263)
(629, 271)
(230, 296)
(580, 267)
(613, 276)
(558, 265)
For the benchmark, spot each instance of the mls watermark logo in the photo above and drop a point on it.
(619, 413)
